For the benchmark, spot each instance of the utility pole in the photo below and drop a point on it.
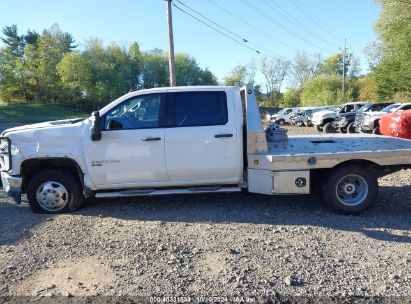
(170, 44)
(344, 55)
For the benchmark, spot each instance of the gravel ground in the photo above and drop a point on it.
(211, 245)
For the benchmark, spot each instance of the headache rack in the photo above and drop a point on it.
(5, 154)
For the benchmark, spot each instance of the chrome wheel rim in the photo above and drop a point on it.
(352, 190)
(52, 196)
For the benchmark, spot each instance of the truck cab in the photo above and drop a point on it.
(187, 140)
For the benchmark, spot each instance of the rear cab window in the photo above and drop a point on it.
(208, 108)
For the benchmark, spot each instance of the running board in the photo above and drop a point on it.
(147, 192)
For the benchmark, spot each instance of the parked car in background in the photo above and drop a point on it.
(297, 118)
(308, 115)
(323, 120)
(369, 122)
(397, 124)
(283, 116)
(345, 122)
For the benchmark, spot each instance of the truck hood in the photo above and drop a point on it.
(43, 125)
(324, 114)
(374, 113)
(49, 139)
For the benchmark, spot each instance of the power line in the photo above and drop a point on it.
(222, 27)
(272, 20)
(252, 26)
(215, 29)
(295, 21)
(303, 10)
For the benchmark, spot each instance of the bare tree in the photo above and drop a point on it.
(275, 69)
(304, 67)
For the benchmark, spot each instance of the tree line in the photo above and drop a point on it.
(51, 68)
(313, 80)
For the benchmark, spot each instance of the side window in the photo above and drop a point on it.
(408, 107)
(288, 112)
(200, 109)
(140, 112)
(347, 109)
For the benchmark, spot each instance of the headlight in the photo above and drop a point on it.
(342, 119)
(5, 157)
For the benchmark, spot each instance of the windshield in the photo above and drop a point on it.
(280, 112)
(365, 108)
(390, 108)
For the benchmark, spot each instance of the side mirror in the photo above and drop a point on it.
(96, 126)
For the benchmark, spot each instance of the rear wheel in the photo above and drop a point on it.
(54, 191)
(329, 128)
(319, 128)
(351, 189)
(351, 128)
(281, 122)
(300, 124)
(343, 130)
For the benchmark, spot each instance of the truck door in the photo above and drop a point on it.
(201, 145)
(131, 151)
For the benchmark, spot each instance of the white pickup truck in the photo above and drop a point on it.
(188, 140)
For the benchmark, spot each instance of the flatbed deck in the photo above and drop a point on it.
(315, 152)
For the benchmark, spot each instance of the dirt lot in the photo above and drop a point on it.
(211, 245)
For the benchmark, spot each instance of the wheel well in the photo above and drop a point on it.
(327, 120)
(376, 123)
(31, 166)
(320, 175)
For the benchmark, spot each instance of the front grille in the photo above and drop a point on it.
(359, 119)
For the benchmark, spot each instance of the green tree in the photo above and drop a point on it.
(326, 90)
(292, 98)
(241, 75)
(392, 74)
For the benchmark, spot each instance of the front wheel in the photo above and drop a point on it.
(54, 191)
(329, 128)
(351, 189)
(319, 128)
(281, 122)
(351, 128)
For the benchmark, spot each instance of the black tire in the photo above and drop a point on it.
(343, 130)
(300, 124)
(281, 122)
(73, 199)
(319, 128)
(329, 128)
(350, 172)
(376, 131)
(351, 128)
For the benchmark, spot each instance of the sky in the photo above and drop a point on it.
(272, 27)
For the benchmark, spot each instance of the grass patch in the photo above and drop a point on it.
(31, 113)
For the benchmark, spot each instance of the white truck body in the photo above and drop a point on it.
(323, 117)
(185, 159)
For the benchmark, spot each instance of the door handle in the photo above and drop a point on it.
(151, 138)
(223, 135)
